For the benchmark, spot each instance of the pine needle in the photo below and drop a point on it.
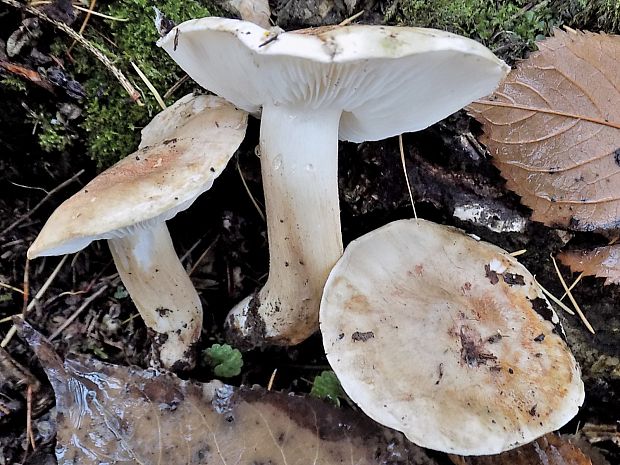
(571, 298)
(572, 286)
(402, 159)
(151, 87)
(561, 304)
(517, 253)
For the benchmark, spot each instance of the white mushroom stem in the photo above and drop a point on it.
(161, 290)
(299, 164)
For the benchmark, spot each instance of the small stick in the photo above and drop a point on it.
(133, 93)
(72, 318)
(26, 292)
(247, 189)
(516, 253)
(202, 256)
(175, 86)
(351, 18)
(45, 199)
(571, 298)
(190, 250)
(271, 379)
(13, 288)
(29, 432)
(34, 301)
(402, 159)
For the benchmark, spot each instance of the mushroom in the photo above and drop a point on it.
(183, 150)
(448, 340)
(356, 83)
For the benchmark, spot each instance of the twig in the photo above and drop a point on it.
(402, 159)
(272, 379)
(516, 253)
(84, 10)
(129, 88)
(175, 86)
(45, 199)
(202, 256)
(150, 86)
(91, 7)
(247, 189)
(26, 292)
(13, 288)
(351, 18)
(33, 302)
(190, 250)
(571, 298)
(29, 432)
(84, 305)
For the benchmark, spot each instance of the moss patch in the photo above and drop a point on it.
(509, 28)
(111, 121)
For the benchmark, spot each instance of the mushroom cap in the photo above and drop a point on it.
(387, 80)
(440, 336)
(183, 150)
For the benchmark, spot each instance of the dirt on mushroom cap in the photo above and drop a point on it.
(459, 358)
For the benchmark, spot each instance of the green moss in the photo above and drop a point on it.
(53, 138)
(507, 27)
(13, 83)
(592, 15)
(112, 122)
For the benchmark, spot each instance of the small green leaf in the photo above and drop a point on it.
(225, 360)
(121, 292)
(327, 386)
(5, 297)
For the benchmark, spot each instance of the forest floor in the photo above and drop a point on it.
(222, 238)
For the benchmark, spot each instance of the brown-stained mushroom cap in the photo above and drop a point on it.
(177, 161)
(441, 337)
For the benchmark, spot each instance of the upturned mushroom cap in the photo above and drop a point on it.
(441, 337)
(388, 80)
(183, 150)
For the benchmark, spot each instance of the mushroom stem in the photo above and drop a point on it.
(299, 164)
(160, 287)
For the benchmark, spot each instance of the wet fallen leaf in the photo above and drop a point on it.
(548, 450)
(602, 262)
(553, 128)
(113, 414)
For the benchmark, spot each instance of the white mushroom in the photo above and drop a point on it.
(183, 150)
(441, 337)
(314, 86)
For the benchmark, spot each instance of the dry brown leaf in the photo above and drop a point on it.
(602, 262)
(548, 450)
(553, 128)
(112, 414)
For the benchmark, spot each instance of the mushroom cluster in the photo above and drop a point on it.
(183, 150)
(314, 86)
(430, 332)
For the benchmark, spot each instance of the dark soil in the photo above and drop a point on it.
(445, 167)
